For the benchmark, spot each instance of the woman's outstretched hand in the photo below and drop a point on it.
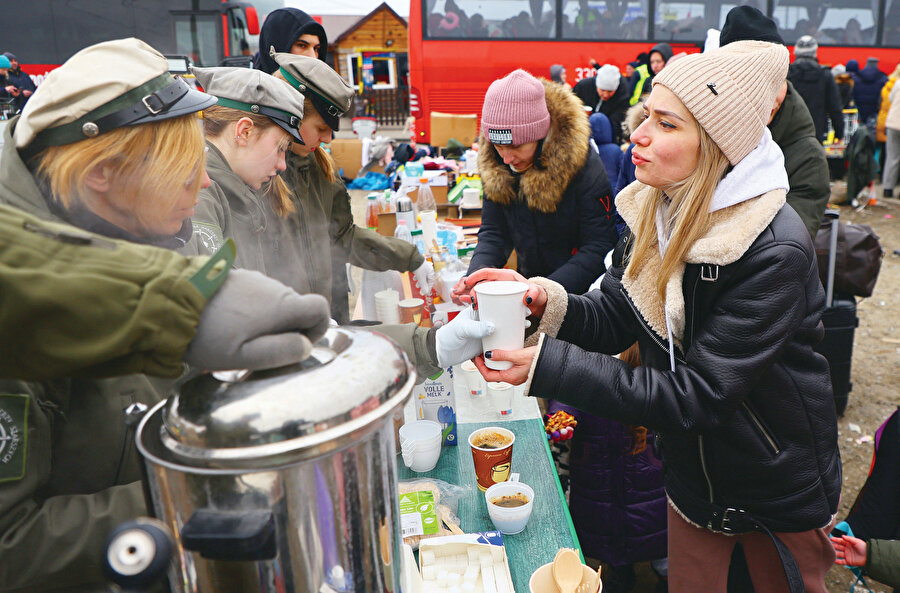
(535, 297)
(851, 551)
(515, 375)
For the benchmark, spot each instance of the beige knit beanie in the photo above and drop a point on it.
(730, 91)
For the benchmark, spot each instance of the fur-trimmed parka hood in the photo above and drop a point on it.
(634, 117)
(562, 156)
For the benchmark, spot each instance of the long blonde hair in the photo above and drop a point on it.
(217, 118)
(149, 159)
(688, 212)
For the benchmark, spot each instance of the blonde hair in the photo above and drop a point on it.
(688, 213)
(149, 159)
(217, 118)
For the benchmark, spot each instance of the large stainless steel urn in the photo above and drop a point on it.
(284, 480)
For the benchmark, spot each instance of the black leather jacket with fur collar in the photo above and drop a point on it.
(747, 417)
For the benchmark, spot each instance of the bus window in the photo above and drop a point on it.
(682, 21)
(197, 36)
(726, 7)
(482, 19)
(892, 23)
(607, 19)
(841, 22)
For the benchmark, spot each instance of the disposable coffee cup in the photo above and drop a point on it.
(492, 455)
(502, 303)
(420, 444)
(509, 505)
(501, 396)
(409, 309)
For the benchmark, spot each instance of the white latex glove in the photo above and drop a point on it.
(424, 277)
(460, 340)
(255, 322)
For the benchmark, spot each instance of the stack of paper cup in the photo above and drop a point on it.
(387, 306)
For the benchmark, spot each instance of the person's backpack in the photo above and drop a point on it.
(861, 165)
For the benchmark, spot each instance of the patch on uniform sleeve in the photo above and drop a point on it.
(209, 235)
(13, 435)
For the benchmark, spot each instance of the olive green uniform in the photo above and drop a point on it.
(296, 250)
(69, 472)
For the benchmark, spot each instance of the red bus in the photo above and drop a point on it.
(457, 47)
(45, 33)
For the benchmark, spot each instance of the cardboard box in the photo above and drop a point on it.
(347, 155)
(452, 125)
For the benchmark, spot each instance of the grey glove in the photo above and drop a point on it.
(255, 322)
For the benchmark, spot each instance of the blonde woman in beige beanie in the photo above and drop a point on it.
(717, 282)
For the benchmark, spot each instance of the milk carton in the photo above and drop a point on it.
(434, 401)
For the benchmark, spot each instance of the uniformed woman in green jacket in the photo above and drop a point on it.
(323, 204)
(110, 143)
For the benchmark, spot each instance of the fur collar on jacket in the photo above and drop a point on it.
(564, 153)
(733, 230)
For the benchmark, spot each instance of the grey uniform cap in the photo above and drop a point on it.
(254, 91)
(327, 90)
(103, 87)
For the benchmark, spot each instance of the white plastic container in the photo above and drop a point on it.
(510, 520)
(500, 395)
(420, 445)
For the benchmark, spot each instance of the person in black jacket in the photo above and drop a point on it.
(608, 92)
(717, 281)
(546, 193)
(817, 87)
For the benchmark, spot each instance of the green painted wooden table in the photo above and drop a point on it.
(550, 526)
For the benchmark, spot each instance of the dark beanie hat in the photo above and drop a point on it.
(280, 30)
(745, 23)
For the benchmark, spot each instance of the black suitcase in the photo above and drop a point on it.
(840, 321)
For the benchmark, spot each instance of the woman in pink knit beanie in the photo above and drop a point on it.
(717, 281)
(546, 193)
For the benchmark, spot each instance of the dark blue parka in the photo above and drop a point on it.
(557, 215)
(610, 153)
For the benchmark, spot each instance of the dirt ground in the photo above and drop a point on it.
(876, 362)
(875, 370)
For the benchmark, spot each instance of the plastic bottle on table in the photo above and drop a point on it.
(427, 213)
(403, 232)
(372, 211)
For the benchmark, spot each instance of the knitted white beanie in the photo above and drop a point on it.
(730, 91)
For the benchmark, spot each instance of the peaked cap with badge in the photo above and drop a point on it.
(103, 87)
(254, 91)
(327, 90)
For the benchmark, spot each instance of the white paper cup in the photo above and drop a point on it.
(509, 520)
(501, 302)
(420, 444)
(501, 396)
